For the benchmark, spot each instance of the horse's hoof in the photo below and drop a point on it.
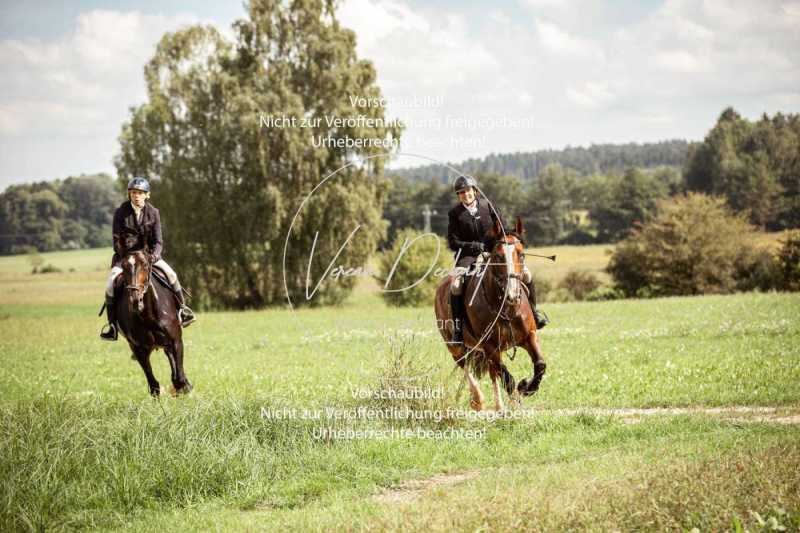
(186, 388)
(527, 387)
(476, 406)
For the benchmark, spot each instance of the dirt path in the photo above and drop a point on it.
(410, 490)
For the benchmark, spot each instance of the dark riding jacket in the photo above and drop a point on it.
(131, 235)
(467, 233)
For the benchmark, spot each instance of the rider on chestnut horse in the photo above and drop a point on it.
(468, 230)
(137, 226)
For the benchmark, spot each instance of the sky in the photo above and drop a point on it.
(469, 78)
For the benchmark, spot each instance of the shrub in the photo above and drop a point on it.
(692, 246)
(47, 269)
(419, 261)
(579, 283)
(604, 293)
(789, 262)
(758, 269)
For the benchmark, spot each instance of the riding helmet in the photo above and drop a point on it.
(464, 182)
(139, 183)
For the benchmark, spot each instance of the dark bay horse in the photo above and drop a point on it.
(147, 315)
(499, 318)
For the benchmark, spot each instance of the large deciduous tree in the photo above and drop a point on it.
(228, 184)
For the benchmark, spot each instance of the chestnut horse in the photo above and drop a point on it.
(499, 317)
(148, 318)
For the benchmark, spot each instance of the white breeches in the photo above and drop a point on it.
(172, 277)
(457, 286)
(116, 271)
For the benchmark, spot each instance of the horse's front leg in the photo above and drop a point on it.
(495, 372)
(498, 395)
(476, 396)
(174, 352)
(143, 356)
(527, 386)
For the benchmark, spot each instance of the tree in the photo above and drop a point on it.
(505, 193)
(547, 205)
(789, 262)
(54, 215)
(91, 201)
(414, 267)
(630, 199)
(693, 246)
(753, 165)
(31, 217)
(228, 184)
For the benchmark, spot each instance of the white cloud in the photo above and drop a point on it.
(372, 21)
(76, 87)
(591, 94)
(555, 39)
(681, 61)
(584, 71)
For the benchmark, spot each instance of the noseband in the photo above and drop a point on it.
(141, 289)
(500, 281)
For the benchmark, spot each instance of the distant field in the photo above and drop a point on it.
(81, 445)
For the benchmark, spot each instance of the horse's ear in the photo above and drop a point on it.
(518, 227)
(498, 228)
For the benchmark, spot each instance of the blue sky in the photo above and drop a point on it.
(544, 73)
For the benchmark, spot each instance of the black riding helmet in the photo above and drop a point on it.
(139, 183)
(464, 182)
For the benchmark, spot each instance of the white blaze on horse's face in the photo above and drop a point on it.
(136, 293)
(512, 281)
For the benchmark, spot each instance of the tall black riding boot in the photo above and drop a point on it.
(185, 314)
(459, 315)
(110, 334)
(539, 316)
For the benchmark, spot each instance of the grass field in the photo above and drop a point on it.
(82, 446)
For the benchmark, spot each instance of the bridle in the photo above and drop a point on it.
(501, 282)
(140, 289)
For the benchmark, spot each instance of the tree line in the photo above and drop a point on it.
(73, 213)
(559, 207)
(754, 166)
(594, 159)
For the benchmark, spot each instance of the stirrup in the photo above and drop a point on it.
(109, 332)
(186, 321)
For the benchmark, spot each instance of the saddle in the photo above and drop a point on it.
(477, 267)
(155, 273)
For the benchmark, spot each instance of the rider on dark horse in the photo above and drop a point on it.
(468, 235)
(137, 226)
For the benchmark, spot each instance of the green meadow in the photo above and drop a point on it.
(83, 446)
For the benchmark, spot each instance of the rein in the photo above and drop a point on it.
(501, 313)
